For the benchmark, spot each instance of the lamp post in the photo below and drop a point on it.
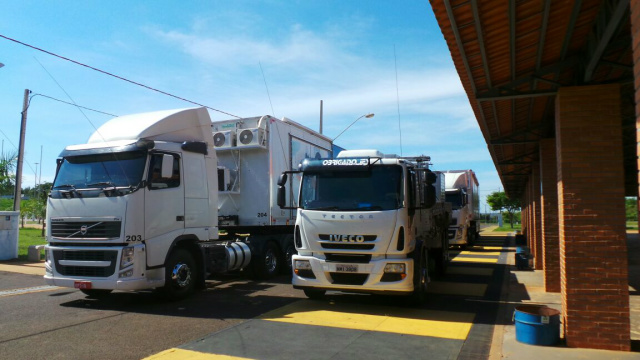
(23, 128)
(368, 116)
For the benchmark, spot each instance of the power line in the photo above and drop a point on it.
(116, 76)
(76, 105)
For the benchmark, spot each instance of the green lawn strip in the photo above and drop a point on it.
(26, 237)
(508, 228)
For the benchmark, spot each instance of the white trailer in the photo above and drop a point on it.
(368, 222)
(252, 153)
(137, 206)
(461, 188)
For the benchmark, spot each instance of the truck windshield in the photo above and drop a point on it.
(375, 190)
(455, 198)
(101, 171)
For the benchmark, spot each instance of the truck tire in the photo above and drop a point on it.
(420, 279)
(180, 275)
(289, 251)
(96, 293)
(267, 264)
(314, 294)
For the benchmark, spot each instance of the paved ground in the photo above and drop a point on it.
(468, 316)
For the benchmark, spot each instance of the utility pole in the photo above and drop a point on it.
(23, 128)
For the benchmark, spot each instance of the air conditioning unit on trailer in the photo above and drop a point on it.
(224, 139)
(254, 137)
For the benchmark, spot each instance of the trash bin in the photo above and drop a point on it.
(9, 221)
(522, 257)
(537, 325)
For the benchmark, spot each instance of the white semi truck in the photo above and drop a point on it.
(137, 206)
(368, 222)
(461, 188)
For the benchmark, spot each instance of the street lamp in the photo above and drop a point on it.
(368, 116)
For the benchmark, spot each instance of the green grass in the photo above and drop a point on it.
(508, 228)
(632, 225)
(6, 204)
(26, 237)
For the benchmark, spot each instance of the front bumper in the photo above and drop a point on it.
(66, 266)
(366, 278)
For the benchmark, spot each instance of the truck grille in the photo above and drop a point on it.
(86, 255)
(86, 229)
(347, 246)
(335, 242)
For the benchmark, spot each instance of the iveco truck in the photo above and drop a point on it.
(368, 222)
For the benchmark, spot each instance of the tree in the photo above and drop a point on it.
(8, 162)
(499, 201)
(631, 206)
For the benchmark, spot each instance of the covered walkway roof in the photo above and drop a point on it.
(512, 56)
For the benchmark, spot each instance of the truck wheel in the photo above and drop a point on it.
(420, 280)
(266, 265)
(314, 294)
(96, 293)
(288, 254)
(180, 275)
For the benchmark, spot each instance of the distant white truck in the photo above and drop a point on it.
(368, 222)
(137, 206)
(461, 188)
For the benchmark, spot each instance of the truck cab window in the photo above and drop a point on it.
(156, 181)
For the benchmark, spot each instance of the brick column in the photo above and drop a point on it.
(537, 222)
(549, 215)
(593, 251)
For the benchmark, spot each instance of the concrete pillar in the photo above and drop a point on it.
(593, 251)
(549, 215)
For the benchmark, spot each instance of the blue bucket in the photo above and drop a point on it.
(537, 325)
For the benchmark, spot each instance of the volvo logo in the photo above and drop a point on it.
(83, 229)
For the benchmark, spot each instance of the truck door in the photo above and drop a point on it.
(164, 198)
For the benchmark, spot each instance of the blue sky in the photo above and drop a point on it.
(221, 54)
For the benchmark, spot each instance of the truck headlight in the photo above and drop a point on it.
(394, 268)
(302, 265)
(127, 257)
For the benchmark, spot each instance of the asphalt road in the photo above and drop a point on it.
(40, 322)
(62, 323)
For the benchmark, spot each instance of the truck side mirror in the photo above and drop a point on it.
(282, 196)
(282, 180)
(167, 166)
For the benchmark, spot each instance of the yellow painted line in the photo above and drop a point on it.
(28, 269)
(499, 248)
(455, 288)
(440, 324)
(463, 270)
(181, 354)
(492, 253)
(474, 260)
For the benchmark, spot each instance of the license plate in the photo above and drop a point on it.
(347, 268)
(82, 285)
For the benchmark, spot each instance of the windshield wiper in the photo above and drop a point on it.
(73, 188)
(102, 183)
(325, 208)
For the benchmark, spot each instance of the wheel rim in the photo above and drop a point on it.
(270, 260)
(181, 275)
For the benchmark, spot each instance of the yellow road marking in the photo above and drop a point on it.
(28, 269)
(455, 288)
(492, 253)
(462, 270)
(181, 354)
(472, 260)
(440, 324)
(500, 248)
